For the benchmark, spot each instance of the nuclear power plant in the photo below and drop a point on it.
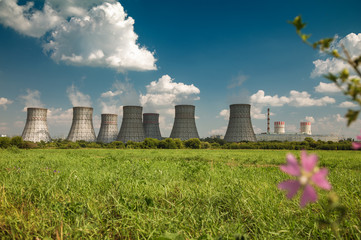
(82, 125)
(132, 125)
(240, 126)
(184, 126)
(151, 125)
(305, 128)
(279, 127)
(36, 127)
(108, 131)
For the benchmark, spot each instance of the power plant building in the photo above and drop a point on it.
(279, 127)
(132, 125)
(108, 131)
(184, 126)
(151, 125)
(36, 127)
(240, 126)
(82, 125)
(305, 128)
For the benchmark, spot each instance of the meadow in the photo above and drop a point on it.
(167, 194)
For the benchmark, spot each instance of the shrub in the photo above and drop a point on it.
(193, 143)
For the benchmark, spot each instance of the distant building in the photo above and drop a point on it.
(294, 137)
(217, 136)
(3, 135)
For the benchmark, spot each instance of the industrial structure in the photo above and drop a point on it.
(132, 126)
(279, 127)
(151, 125)
(82, 125)
(184, 126)
(108, 131)
(36, 127)
(240, 126)
(305, 128)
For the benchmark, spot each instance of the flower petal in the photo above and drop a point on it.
(356, 145)
(320, 180)
(292, 167)
(308, 161)
(291, 186)
(309, 195)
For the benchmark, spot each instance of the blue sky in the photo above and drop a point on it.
(157, 54)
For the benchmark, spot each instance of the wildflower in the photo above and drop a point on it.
(308, 175)
(357, 145)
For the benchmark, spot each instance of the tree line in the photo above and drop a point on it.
(170, 143)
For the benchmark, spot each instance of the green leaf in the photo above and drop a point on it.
(351, 116)
(331, 77)
(297, 22)
(358, 60)
(305, 37)
(325, 43)
(344, 74)
(335, 53)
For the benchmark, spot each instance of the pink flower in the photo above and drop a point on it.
(357, 145)
(308, 175)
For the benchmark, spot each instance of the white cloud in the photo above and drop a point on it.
(77, 98)
(336, 125)
(347, 104)
(4, 102)
(296, 98)
(327, 88)
(352, 43)
(27, 20)
(237, 81)
(224, 113)
(218, 131)
(32, 99)
(103, 37)
(85, 33)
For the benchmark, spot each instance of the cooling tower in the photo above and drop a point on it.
(108, 131)
(132, 126)
(82, 126)
(36, 127)
(306, 128)
(184, 126)
(151, 125)
(279, 127)
(240, 126)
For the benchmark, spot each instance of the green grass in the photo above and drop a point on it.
(131, 194)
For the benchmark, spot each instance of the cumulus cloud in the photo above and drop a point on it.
(237, 81)
(310, 119)
(327, 88)
(219, 131)
(84, 33)
(162, 95)
(224, 113)
(335, 125)
(77, 98)
(121, 93)
(295, 98)
(352, 43)
(4, 102)
(347, 104)
(32, 99)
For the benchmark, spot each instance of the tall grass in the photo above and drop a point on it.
(131, 194)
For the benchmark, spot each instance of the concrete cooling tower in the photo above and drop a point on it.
(36, 127)
(151, 125)
(306, 128)
(184, 126)
(240, 126)
(108, 131)
(279, 127)
(132, 125)
(82, 126)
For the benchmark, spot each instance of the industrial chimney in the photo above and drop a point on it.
(82, 125)
(279, 127)
(36, 127)
(306, 128)
(132, 126)
(240, 125)
(108, 131)
(184, 126)
(151, 125)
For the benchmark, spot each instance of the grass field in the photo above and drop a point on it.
(142, 194)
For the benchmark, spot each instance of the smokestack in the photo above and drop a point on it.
(151, 125)
(306, 128)
(268, 119)
(240, 126)
(132, 126)
(184, 126)
(36, 127)
(108, 131)
(279, 127)
(82, 125)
